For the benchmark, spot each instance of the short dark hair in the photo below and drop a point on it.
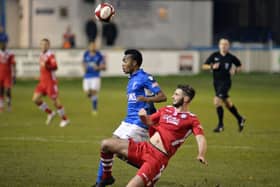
(188, 90)
(46, 40)
(135, 55)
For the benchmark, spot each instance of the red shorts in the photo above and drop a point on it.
(152, 162)
(6, 82)
(51, 90)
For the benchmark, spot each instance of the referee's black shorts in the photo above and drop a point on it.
(222, 88)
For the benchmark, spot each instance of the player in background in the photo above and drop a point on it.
(7, 75)
(138, 85)
(224, 65)
(173, 125)
(93, 63)
(48, 85)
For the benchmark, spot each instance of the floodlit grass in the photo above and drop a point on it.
(33, 154)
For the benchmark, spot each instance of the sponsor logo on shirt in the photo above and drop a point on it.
(131, 97)
(171, 119)
(216, 59)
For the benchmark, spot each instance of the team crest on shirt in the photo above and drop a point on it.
(184, 116)
(216, 59)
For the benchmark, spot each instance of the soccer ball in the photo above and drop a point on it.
(104, 12)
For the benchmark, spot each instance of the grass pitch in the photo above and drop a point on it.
(33, 154)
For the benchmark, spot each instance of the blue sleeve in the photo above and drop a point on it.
(101, 59)
(151, 84)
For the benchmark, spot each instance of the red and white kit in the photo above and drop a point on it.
(173, 128)
(48, 82)
(7, 60)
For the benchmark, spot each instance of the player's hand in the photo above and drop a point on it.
(202, 160)
(95, 67)
(233, 71)
(216, 66)
(142, 98)
(14, 80)
(142, 112)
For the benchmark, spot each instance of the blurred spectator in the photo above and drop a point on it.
(91, 30)
(69, 39)
(3, 36)
(110, 33)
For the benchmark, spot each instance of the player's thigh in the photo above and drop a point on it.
(115, 145)
(136, 181)
(52, 92)
(95, 84)
(36, 96)
(8, 82)
(228, 102)
(218, 101)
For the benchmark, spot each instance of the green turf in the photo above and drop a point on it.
(33, 154)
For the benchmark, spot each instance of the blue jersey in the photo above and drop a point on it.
(90, 61)
(138, 83)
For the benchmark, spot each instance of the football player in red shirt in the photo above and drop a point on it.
(48, 85)
(173, 124)
(7, 74)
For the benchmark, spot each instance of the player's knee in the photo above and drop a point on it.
(106, 145)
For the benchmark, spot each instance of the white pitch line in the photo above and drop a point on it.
(97, 140)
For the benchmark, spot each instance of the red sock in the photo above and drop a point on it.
(61, 112)
(44, 107)
(107, 163)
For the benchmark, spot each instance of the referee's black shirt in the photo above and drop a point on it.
(223, 72)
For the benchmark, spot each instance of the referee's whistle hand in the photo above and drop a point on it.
(216, 65)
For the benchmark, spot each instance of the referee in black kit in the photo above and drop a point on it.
(223, 65)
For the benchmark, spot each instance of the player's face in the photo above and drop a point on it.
(92, 47)
(127, 64)
(178, 98)
(44, 45)
(224, 45)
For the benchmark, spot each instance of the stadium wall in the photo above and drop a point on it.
(155, 62)
(184, 23)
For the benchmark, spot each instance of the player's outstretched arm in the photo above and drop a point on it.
(159, 97)
(202, 148)
(144, 117)
(206, 67)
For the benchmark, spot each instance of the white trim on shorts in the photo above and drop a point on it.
(127, 131)
(93, 83)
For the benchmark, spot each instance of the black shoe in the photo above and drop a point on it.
(218, 129)
(241, 123)
(105, 182)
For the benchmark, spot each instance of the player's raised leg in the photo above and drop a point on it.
(136, 181)
(37, 99)
(108, 148)
(220, 112)
(240, 120)
(61, 112)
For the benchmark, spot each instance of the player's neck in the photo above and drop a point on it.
(183, 108)
(92, 52)
(134, 71)
(223, 53)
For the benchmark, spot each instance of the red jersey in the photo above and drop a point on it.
(175, 127)
(7, 60)
(47, 71)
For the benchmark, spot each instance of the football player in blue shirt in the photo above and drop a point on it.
(138, 85)
(93, 63)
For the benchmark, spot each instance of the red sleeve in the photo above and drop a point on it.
(156, 116)
(51, 63)
(196, 127)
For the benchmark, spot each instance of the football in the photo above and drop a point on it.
(104, 12)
